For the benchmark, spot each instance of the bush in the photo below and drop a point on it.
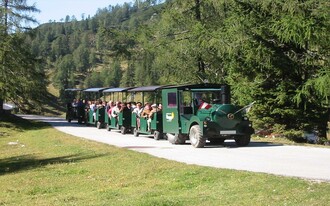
(294, 135)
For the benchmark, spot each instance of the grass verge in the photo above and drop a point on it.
(42, 166)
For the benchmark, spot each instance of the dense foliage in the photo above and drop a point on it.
(22, 79)
(273, 52)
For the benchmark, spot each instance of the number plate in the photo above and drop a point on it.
(228, 132)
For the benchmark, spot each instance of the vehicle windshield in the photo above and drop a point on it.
(213, 97)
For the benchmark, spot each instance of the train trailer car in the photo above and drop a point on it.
(201, 112)
(122, 121)
(151, 124)
(95, 112)
(75, 106)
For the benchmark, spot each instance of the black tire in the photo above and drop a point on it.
(98, 125)
(157, 135)
(123, 130)
(242, 141)
(196, 137)
(165, 136)
(176, 138)
(135, 132)
(69, 120)
(216, 141)
(107, 127)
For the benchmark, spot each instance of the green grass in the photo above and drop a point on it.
(42, 166)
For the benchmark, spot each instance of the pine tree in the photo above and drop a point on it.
(17, 66)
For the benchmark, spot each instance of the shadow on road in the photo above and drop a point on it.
(253, 144)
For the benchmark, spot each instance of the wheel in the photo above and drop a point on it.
(176, 139)
(135, 132)
(98, 125)
(123, 130)
(217, 141)
(79, 120)
(165, 136)
(157, 135)
(196, 137)
(69, 120)
(242, 141)
(107, 127)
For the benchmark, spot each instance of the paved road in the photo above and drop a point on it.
(296, 161)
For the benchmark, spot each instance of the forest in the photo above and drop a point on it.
(273, 52)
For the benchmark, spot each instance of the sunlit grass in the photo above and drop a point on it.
(42, 166)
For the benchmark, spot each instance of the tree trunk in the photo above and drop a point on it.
(1, 106)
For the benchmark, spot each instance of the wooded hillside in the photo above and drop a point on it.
(273, 52)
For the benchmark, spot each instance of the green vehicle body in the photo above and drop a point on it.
(183, 121)
(90, 118)
(156, 124)
(98, 119)
(124, 118)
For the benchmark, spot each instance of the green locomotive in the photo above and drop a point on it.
(201, 112)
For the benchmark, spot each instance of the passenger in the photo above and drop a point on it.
(137, 111)
(123, 106)
(146, 111)
(74, 103)
(133, 105)
(154, 109)
(115, 111)
(104, 103)
(128, 106)
(201, 102)
(111, 105)
(160, 107)
(92, 107)
(100, 104)
(204, 105)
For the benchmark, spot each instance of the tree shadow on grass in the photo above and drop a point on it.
(28, 162)
(14, 122)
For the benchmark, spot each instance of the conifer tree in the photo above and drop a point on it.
(21, 79)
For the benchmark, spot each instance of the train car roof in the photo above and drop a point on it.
(120, 89)
(195, 86)
(72, 89)
(146, 88)
(94, 89)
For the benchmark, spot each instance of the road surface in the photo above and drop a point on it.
(294, 161)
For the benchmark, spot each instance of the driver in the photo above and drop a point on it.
(201, 101)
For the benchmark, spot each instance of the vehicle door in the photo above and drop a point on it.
(170, 103)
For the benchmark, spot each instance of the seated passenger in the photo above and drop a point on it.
(133, 106)
(92, 107)
(115, 111)
(74, 103)
(160, 107)
(137, 111)
(204, 105)
(146, 111)
(128, 106)
(201, 102)
(154, 110)
(110, 106)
